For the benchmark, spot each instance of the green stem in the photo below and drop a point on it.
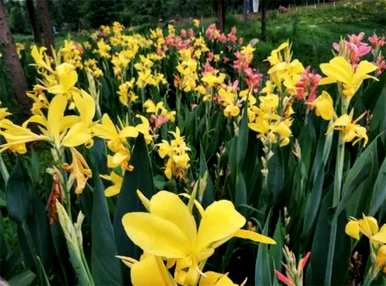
(335, 201)
(3, 170)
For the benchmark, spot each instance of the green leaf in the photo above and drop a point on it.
(379, 192)
(359, 172)
(105, 266)
(208, 193)
(141, 178)
(263, 265)
(19, 194)
(23, 279)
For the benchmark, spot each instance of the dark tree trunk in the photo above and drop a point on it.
(33, 20)
(264, 20)
(12, 64)
(245, 9)
(220, 9)
(45, 23)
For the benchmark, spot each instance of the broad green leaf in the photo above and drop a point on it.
(359, 171)
(263, 265)
(141, 178)
(378, 198)
(23, 279)
(19, 194)
(105, 266)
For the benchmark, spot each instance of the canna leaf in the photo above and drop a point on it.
(140, 178)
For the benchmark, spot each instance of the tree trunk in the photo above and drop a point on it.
(12, 64)
(245, 9)
(34, 23)
(45, 23)
(264, 20)
(220, 14)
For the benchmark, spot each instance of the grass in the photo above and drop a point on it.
(313, 30)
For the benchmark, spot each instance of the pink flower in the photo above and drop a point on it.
(381, 64)
(307, 86)
(232, 36)
(376, 41)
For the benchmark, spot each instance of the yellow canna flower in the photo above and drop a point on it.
(144, 129)
(117, 180)
(41, 59)
(79, 171)
(176, 152)
(339, 70)
(66, 79)
(351, 131)
(116, 138)
(149, 270)
(324, 106)
(380, 259)
(169, 230)
(367, 225)
(211, 278)
(196, 23)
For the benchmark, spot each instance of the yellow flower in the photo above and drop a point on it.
(170, 231)
(380, 260)
(126, 94)
(196, 23)
(41, 59)
(176, 152)
(66, 79)
(149, 270)
(281, 54)
(367, 225)
(57, 128)
(117, 180)
(351, 131)
(211, 278)
(324, 106)
(144, 129)
(339, 70)
(79, 171)
(103, 49)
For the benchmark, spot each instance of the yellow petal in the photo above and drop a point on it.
(211, 278)
(156, 235)
(170, 207)
(352, 229)
(77, 135)
(338, 69)
(257, 237)
(150, 270)
(324, 106)
(368, 226)
(380, 236)
(220, 221)
(85, 105)
(55, 115)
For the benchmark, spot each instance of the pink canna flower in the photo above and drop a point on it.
(377, 42)
(306, 88)
(232, 36)
(381, 64)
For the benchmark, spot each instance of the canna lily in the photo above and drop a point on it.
(367, 226)
(339, 70)
(117, 180)
(324, 106)
(116, 141)
(380, 259)
(351, 131)
(79, 171)
(57, 128)
(149, 270)
(169, 230)
(66, 79)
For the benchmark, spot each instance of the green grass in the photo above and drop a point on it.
(313, 30)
